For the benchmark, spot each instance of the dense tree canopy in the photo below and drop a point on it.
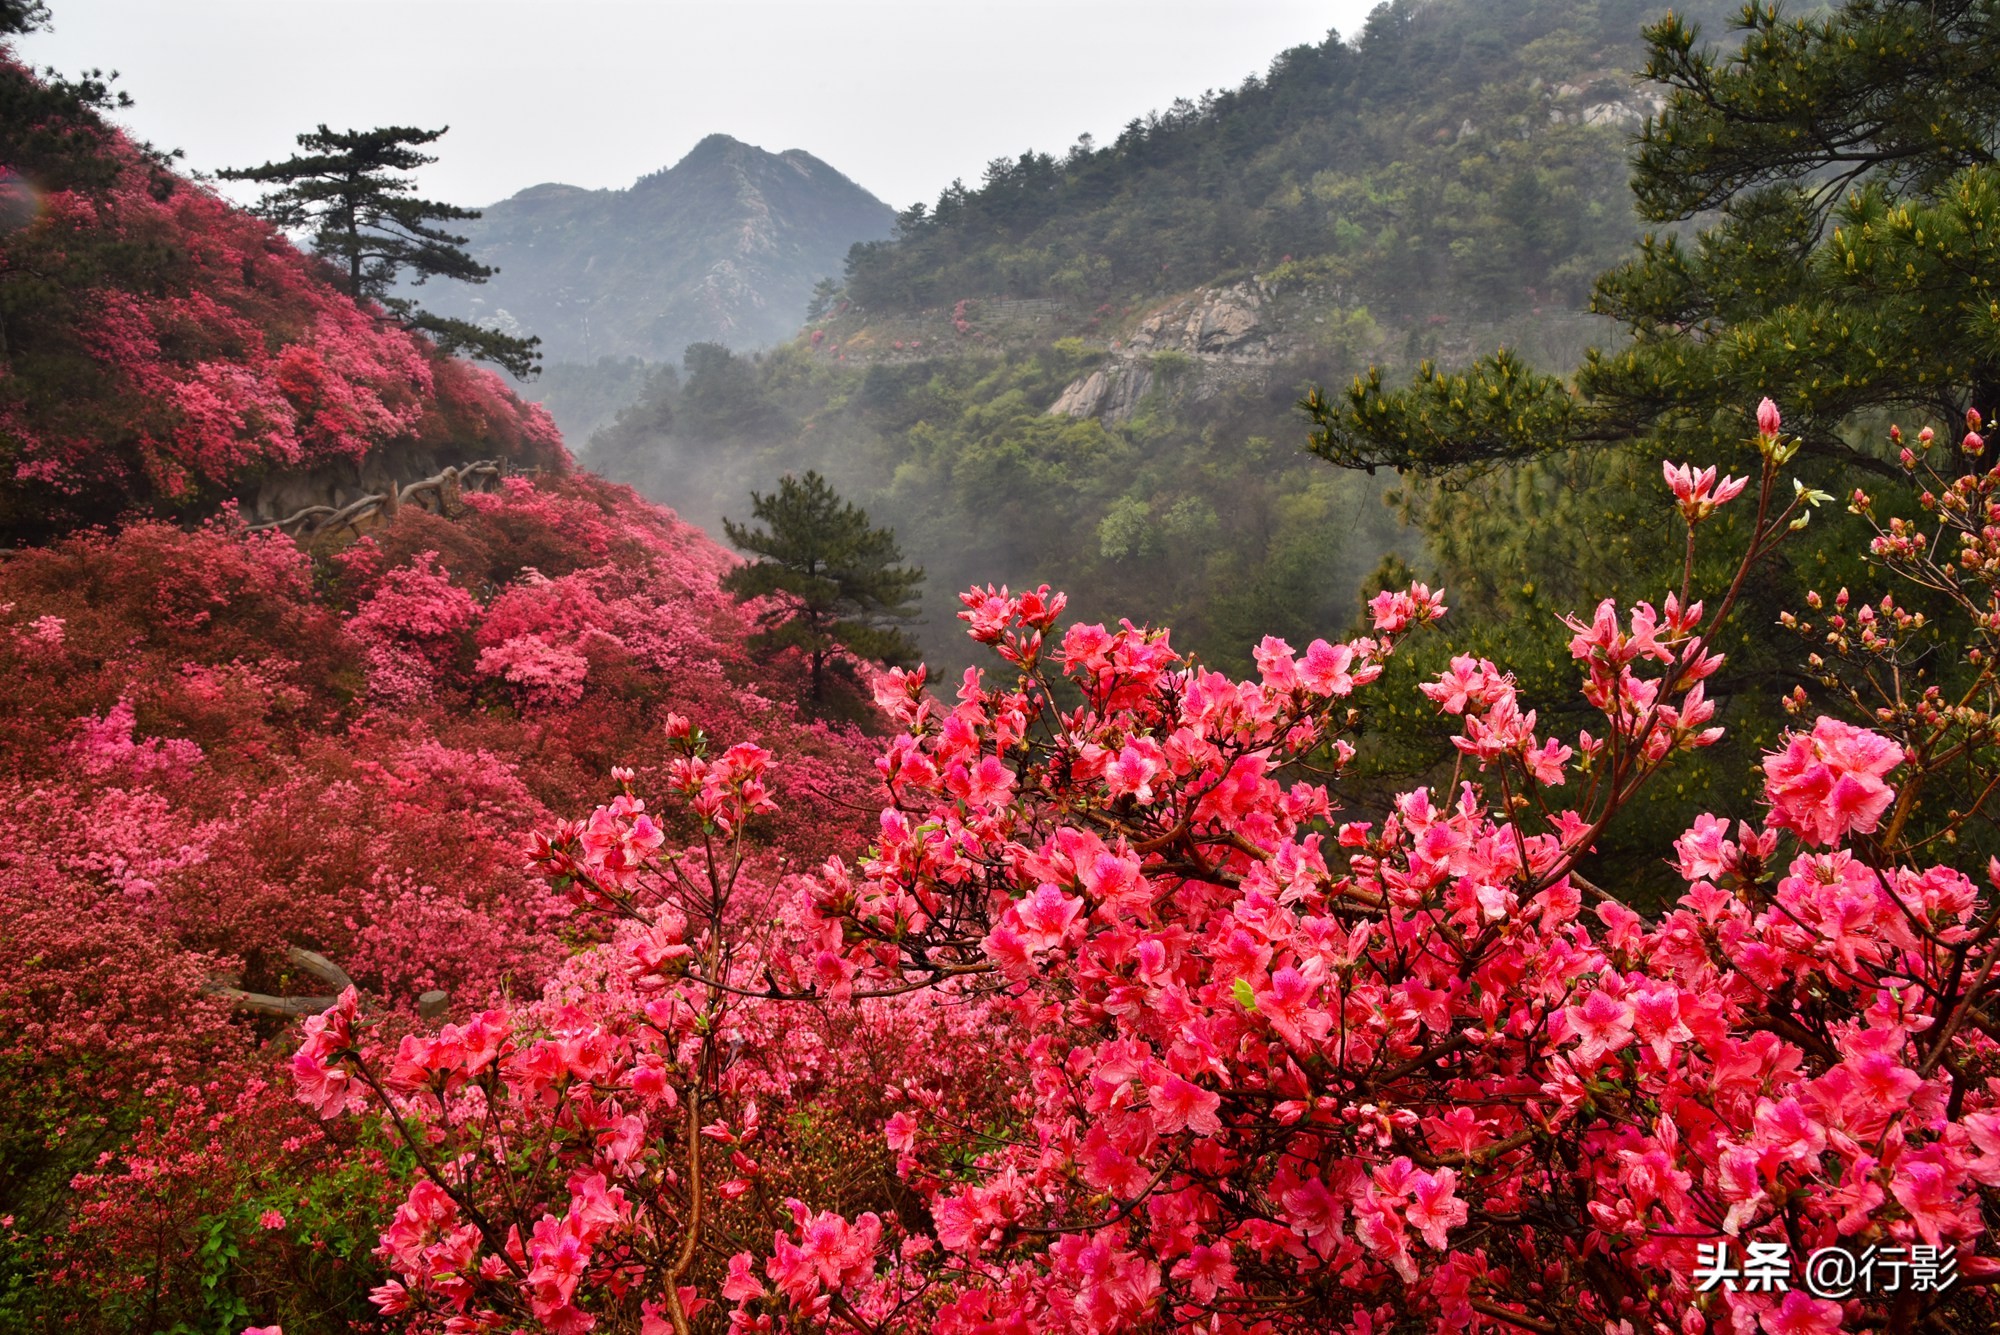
(19, 16)
(1839, 167)
(1416, 159)
(1827, 214)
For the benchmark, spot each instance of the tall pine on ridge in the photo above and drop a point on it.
(350, 189)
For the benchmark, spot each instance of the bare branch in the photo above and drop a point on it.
(320, 967)
(263, 1003)
(430, 1005)
(448, 485)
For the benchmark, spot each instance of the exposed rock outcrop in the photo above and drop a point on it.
(1613, 113)
(1224, 334)
(1214, 322)
(1570, 103)
(1111, 392)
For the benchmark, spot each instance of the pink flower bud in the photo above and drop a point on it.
(1973, 442)
(1768, 420)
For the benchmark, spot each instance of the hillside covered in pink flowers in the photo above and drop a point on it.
(219, 748)
(445, 914)
(165, 351)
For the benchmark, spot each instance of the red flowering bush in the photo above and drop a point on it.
(203, 771)
(229, 766)
(1259, 1065)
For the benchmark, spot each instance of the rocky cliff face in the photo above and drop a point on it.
(725, 247)
(1217, 336)
(1601, 100)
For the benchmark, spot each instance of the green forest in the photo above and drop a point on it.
(1440, 162)
(1430, 189)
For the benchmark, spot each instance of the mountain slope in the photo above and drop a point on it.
(237, 768)
(724, 246)
(1083, 371)
(1440, 156)
(161, 351)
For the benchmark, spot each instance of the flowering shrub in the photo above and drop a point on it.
(1265, 1065)
(546, 674)
(201, 770)
(223, 759)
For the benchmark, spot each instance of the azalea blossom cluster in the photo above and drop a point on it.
(201, 774)
(1443, 1074)
(1272, 1064)
(1890, 658)
(646, 1080)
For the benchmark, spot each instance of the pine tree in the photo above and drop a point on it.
(1845, 162)
(19, 16)
(350, 190)
(834, 579)
(824, 293)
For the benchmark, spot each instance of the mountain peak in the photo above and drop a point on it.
(714, 146)
(724, 246)
(722, 148)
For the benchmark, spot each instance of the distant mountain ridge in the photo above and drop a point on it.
(725, 246)
(1083, 369)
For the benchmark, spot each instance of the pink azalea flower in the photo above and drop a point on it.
(1699, 494)
(1768, 421)
(1828, 783)
(1603, 1023)
(1434, 1207)
(1183, 1105)
(1800, 1313)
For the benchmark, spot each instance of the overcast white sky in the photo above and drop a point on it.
(901, 95)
